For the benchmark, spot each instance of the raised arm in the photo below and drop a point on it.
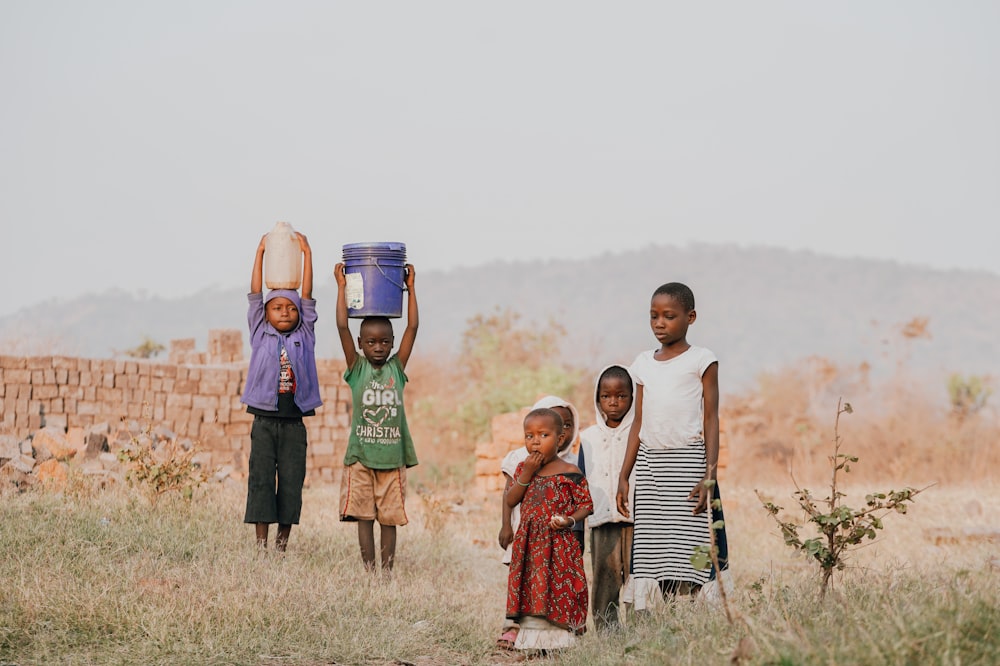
(257, 275)
(412, 318)
(307, 266)
(343, 330)
(631, 453)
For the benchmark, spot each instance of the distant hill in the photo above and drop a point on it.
(758, 309)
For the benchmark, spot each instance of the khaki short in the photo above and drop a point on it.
(373, 494)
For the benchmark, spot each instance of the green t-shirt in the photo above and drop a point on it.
(380, 438)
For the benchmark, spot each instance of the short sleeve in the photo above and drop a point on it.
(637, 370)
(706, 359)
(581, 495)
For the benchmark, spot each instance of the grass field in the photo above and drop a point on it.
(104, 578)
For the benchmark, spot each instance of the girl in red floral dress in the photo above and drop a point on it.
(547, 586)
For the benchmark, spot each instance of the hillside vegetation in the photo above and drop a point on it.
(759, 310)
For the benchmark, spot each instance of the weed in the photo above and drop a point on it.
(840, 527)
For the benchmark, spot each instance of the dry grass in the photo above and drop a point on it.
(105, 578)
(91, 577)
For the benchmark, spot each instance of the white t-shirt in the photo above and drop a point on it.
(673, 412)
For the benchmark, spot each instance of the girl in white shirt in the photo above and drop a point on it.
(674, 447)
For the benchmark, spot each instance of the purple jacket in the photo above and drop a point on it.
(265, 347)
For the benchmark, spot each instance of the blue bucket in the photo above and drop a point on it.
(376, 279)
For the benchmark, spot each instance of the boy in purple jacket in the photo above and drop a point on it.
(282, 387)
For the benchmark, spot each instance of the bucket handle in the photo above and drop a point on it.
(401, 286)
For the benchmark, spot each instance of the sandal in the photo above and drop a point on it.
(506, 640)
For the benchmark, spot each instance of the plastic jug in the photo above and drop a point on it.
(282, 258)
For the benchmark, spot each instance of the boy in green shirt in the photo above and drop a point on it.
(380, 447)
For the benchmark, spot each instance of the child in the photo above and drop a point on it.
(282, 387)
(603, 446)
(674, 446)
(547, 586)
(380, 447)
(510, 515)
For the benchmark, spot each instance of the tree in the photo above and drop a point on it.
(505, 366)
(147, 349)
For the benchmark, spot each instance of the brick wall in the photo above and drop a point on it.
(195, 395)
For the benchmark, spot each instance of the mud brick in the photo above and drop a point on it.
(239, 429)
(156, 384)
(119, 367)
(16, 376)
(131, 368)
(87, 407)
(21, 406)
(50, 375)
(212, 388)
(486, 466)
(108, 366)
(177, 400)
(234, 388)
(34, 421)
(108, 380)
(194, 374)
(37, 377)
(134, 410)
(213, 433)
(322, 460)
(77, 420)
(39, 362)
(144, 382)
(168, 385)
(185, 386)
(159, 412)
(165, 371)
(114, 396)
(13, 362)
(55, 406)
(64, 363)
(90, 392)
(203, 401)
(182, 373)
(86, 378)
(322, 448)
(72, 377)
(182, 344)
(44, 392)
(214, 375)
(145, 369)
(69, 405)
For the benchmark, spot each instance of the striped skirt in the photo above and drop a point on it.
(666, 532)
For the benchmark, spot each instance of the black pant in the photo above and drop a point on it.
(277, 470)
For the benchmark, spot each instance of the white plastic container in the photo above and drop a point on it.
(282, 258)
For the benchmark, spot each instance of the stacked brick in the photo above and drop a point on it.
(507, 434)
(199, 400)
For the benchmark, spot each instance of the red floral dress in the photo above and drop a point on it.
(546, 576)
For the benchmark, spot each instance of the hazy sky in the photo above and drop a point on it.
(148, 145)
